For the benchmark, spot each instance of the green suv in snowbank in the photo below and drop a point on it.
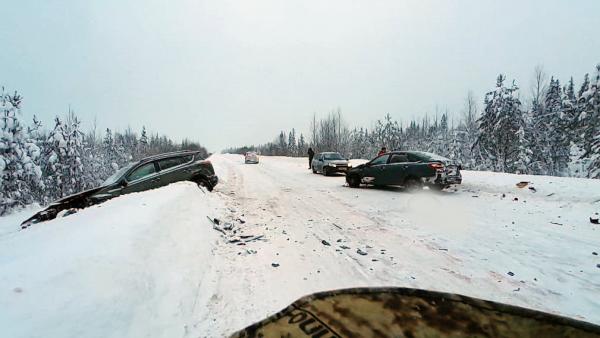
(148, 173)
(411, 169)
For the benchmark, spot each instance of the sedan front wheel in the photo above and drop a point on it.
(353, 181)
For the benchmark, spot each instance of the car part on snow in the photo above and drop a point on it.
(405, 312)
(232, 234)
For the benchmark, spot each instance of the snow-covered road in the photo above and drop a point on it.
(536, 252)
(149, 264)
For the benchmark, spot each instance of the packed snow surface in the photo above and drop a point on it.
(151, 264)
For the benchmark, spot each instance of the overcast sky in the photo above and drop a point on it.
(236, 72)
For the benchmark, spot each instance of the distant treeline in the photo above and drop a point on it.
(556, 133)
(39, 165)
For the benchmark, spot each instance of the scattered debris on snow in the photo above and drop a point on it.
(522, 184)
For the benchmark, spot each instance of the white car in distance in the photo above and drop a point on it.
(251, 157)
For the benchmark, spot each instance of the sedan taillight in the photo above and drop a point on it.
(436, 166)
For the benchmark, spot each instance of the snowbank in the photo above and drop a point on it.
(128, 268)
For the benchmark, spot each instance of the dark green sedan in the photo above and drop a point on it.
(148, 173)
(410, 169)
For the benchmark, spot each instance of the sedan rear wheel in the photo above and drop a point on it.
(413, 183)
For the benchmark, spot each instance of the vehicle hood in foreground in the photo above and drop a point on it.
(404, 312)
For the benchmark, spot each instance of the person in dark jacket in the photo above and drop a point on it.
(311, 154)
(382, 151)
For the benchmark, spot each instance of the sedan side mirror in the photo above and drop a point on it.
(123, 183)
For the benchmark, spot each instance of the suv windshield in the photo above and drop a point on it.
(112, 179)
(332, 156)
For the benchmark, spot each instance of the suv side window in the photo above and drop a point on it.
(380, 160)
(143, 171)
(172, 162)
(399, 158)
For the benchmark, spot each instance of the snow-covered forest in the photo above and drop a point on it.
(554, 131)
(39, 164)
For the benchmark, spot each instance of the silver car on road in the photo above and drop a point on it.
(328, 163)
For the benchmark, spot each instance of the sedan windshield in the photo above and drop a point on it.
(112, 179)
(333, 156)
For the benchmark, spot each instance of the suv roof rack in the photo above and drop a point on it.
(163, 155)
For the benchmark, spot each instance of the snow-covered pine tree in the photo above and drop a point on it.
(53, 162)
(585, 86)
(19, 172)
(64, 169)
(540, 131)
(569, 110)
(143, 143)
(35, 136)
(110, 154)
(281, 144)
(292, 151)
(501, 120)
(591, 126)
(302, 146)
(558, 142)
(76, 178)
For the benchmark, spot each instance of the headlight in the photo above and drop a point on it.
(332, 165)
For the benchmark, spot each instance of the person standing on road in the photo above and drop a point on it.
(311, 154)
(382, 151)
